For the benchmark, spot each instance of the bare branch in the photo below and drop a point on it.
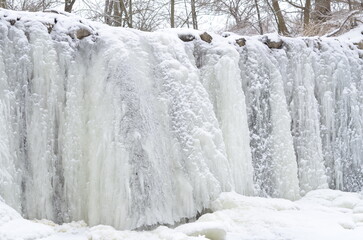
(351, 14)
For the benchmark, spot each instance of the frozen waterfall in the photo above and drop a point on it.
(133, 129)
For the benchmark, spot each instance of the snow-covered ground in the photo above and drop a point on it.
(320, 215)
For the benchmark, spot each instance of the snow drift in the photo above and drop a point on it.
(320, 214)
(133, 129)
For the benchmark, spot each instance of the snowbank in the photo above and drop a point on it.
(321, 214)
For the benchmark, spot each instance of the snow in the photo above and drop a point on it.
(24, 229)
(321, 214)
(212, 230)
(318, 215)
(135, 130)
(7, 213)
(354, 35)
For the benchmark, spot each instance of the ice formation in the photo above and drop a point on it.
(132, 129)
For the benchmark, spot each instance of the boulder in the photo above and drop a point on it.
(82, 33)
(241, 42)
(206, 37)
(359, 45)
(272, 43)
(186, 37)
(49, 27)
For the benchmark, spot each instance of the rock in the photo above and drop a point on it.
(241, 42)
(359, 45)
(317, 44)
(49, 27)
(79, 33)
(82, 33)
(277, 44)
(186, 37)
(272, 44)
(206, 37)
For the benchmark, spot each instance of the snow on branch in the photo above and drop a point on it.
(351, 14)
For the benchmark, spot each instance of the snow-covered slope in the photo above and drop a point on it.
(131, 129)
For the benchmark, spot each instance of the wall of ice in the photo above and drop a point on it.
(133, 129)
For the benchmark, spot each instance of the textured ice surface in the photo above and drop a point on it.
(134, 129)
(115, 129)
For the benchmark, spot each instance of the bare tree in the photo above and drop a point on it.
(2, 3)
(109, 12)
(322, 10)
(306, 9)
(117, 13)
(172, 13)
(146, 15)
(68, 5)
(241, 11)
(31, 5)
(242, 16)
(130, 14)
(281, 25)
(194, 14)
(258, 17)
(127, 14)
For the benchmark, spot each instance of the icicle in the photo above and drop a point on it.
(269, 120)
(220, 76)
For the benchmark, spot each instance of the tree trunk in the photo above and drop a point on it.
(281, 25)
(2, 3)
(108, 12)
(69, 5)
(350, 5)
(172, 13)
(307, 9)
(123, 9)
(187, 14)
(117, 18)
(194, 15)
(130, 14)
(259, 17)
(322, 10)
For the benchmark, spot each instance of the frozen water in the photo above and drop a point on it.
(135, 129)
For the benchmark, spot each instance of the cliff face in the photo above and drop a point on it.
(132, 129)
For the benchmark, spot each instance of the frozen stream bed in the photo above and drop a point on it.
(321, 214)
